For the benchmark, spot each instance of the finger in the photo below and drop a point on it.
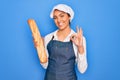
(35, 43)
(81, 31)
(73, 37)
(77, 28)
(32, 35)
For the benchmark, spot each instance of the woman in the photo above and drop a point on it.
(64, 47)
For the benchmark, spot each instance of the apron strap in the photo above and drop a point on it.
(53, 38)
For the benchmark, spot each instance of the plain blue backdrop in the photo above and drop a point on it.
(100, 20)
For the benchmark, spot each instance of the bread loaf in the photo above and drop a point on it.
(36, 35)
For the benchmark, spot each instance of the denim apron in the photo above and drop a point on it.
(61, 65)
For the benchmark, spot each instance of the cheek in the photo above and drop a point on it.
(67, 20)
(55, 21)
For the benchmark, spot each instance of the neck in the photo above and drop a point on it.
(62, 34)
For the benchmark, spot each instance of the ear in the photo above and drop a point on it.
(69, 17)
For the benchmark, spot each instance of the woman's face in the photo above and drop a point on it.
(61, 19)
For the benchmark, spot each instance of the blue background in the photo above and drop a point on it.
(100, 20)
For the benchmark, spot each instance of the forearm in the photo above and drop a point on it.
(82, 57)
(81, 49)
(82, 63)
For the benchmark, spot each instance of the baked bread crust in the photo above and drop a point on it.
(40, 44)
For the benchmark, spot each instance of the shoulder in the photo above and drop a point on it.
(48, 37)
(72, 31)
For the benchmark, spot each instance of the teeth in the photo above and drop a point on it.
(60, 24)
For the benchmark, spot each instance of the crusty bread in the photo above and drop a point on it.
(36, 35)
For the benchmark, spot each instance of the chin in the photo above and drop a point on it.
(61, 28)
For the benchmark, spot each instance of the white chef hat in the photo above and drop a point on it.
(64, 8)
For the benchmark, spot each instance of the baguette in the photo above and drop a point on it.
(36, 35)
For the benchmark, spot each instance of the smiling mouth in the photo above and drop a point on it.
(60, 24)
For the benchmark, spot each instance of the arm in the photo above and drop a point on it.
(44, 65)
(47, 38)
(82, 59)
(79, 40)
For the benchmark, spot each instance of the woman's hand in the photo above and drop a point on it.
(36, 43)
(39, 45)
(77, 39)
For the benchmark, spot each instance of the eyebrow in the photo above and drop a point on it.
(59, 14)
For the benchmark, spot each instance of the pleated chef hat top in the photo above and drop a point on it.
(65, 8)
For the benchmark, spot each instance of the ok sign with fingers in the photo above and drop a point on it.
(77, 39)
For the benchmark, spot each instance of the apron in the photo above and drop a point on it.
(61, 65)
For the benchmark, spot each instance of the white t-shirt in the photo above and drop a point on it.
(81, 59)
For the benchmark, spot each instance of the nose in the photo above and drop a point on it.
(59, 19)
